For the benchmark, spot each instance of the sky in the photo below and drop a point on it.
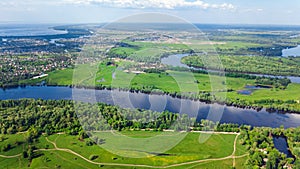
(277, 12)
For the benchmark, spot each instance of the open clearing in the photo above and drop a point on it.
(60, 150)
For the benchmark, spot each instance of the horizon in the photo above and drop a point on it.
(194, 11)
(100, 23)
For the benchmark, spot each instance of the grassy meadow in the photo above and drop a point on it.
(189, 149)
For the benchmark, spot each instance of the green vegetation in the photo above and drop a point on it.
(275, 94)
(262, 153)
(30, 135)
(35, 144)
(183, 152)
(252, 64)
(49, 116)
(48, 134)
(145, 51)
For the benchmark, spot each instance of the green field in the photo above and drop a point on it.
(66, 154)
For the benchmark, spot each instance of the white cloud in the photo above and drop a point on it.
(249, 10)
(162, 4)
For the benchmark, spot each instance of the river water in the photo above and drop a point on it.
(157, 103)
(175, 60)
(291, 51)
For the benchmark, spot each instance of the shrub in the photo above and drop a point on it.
(93, 157)
(6, 147)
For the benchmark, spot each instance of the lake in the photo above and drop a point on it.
(28, 30)
(157, 103)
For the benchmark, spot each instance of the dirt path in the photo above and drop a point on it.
(14, 156)
(234, 150)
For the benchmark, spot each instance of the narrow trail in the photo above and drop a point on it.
(14, 156)
(234, 150)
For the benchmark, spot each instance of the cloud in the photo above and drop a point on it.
(252, 10)
(160, 4)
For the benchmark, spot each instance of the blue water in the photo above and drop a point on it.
(28, 30)
(291, 52)
(175, 60)
(154, 102)
(280, 143)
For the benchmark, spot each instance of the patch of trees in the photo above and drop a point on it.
(281, 83)
(47, 116)
(262, 154)
(207, 125)
(293, 139)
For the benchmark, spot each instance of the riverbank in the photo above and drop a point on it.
(156, 102)
(187, 96)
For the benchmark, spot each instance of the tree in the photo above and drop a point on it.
(7, 147)
(82, 135)
(25, 154)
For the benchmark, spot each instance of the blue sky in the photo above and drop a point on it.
(196, 11)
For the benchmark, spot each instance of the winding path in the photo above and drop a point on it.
(14, 156)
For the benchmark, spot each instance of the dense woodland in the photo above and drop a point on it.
(259, 142)
(50, 116)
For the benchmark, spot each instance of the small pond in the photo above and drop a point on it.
(281, 145)
(249, 89)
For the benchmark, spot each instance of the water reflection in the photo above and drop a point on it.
(196, 109)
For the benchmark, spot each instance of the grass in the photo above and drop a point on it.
(59, 159)
(276, 94)
(13, 163)
(223, 164)
(240, 149)
(189, 149)
(171, 81)
(60, 77)
(12, 139)
(183, 151)
(146, 51)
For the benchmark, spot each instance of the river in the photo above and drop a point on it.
(291, 51)
(175, 60)
(157, 103)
